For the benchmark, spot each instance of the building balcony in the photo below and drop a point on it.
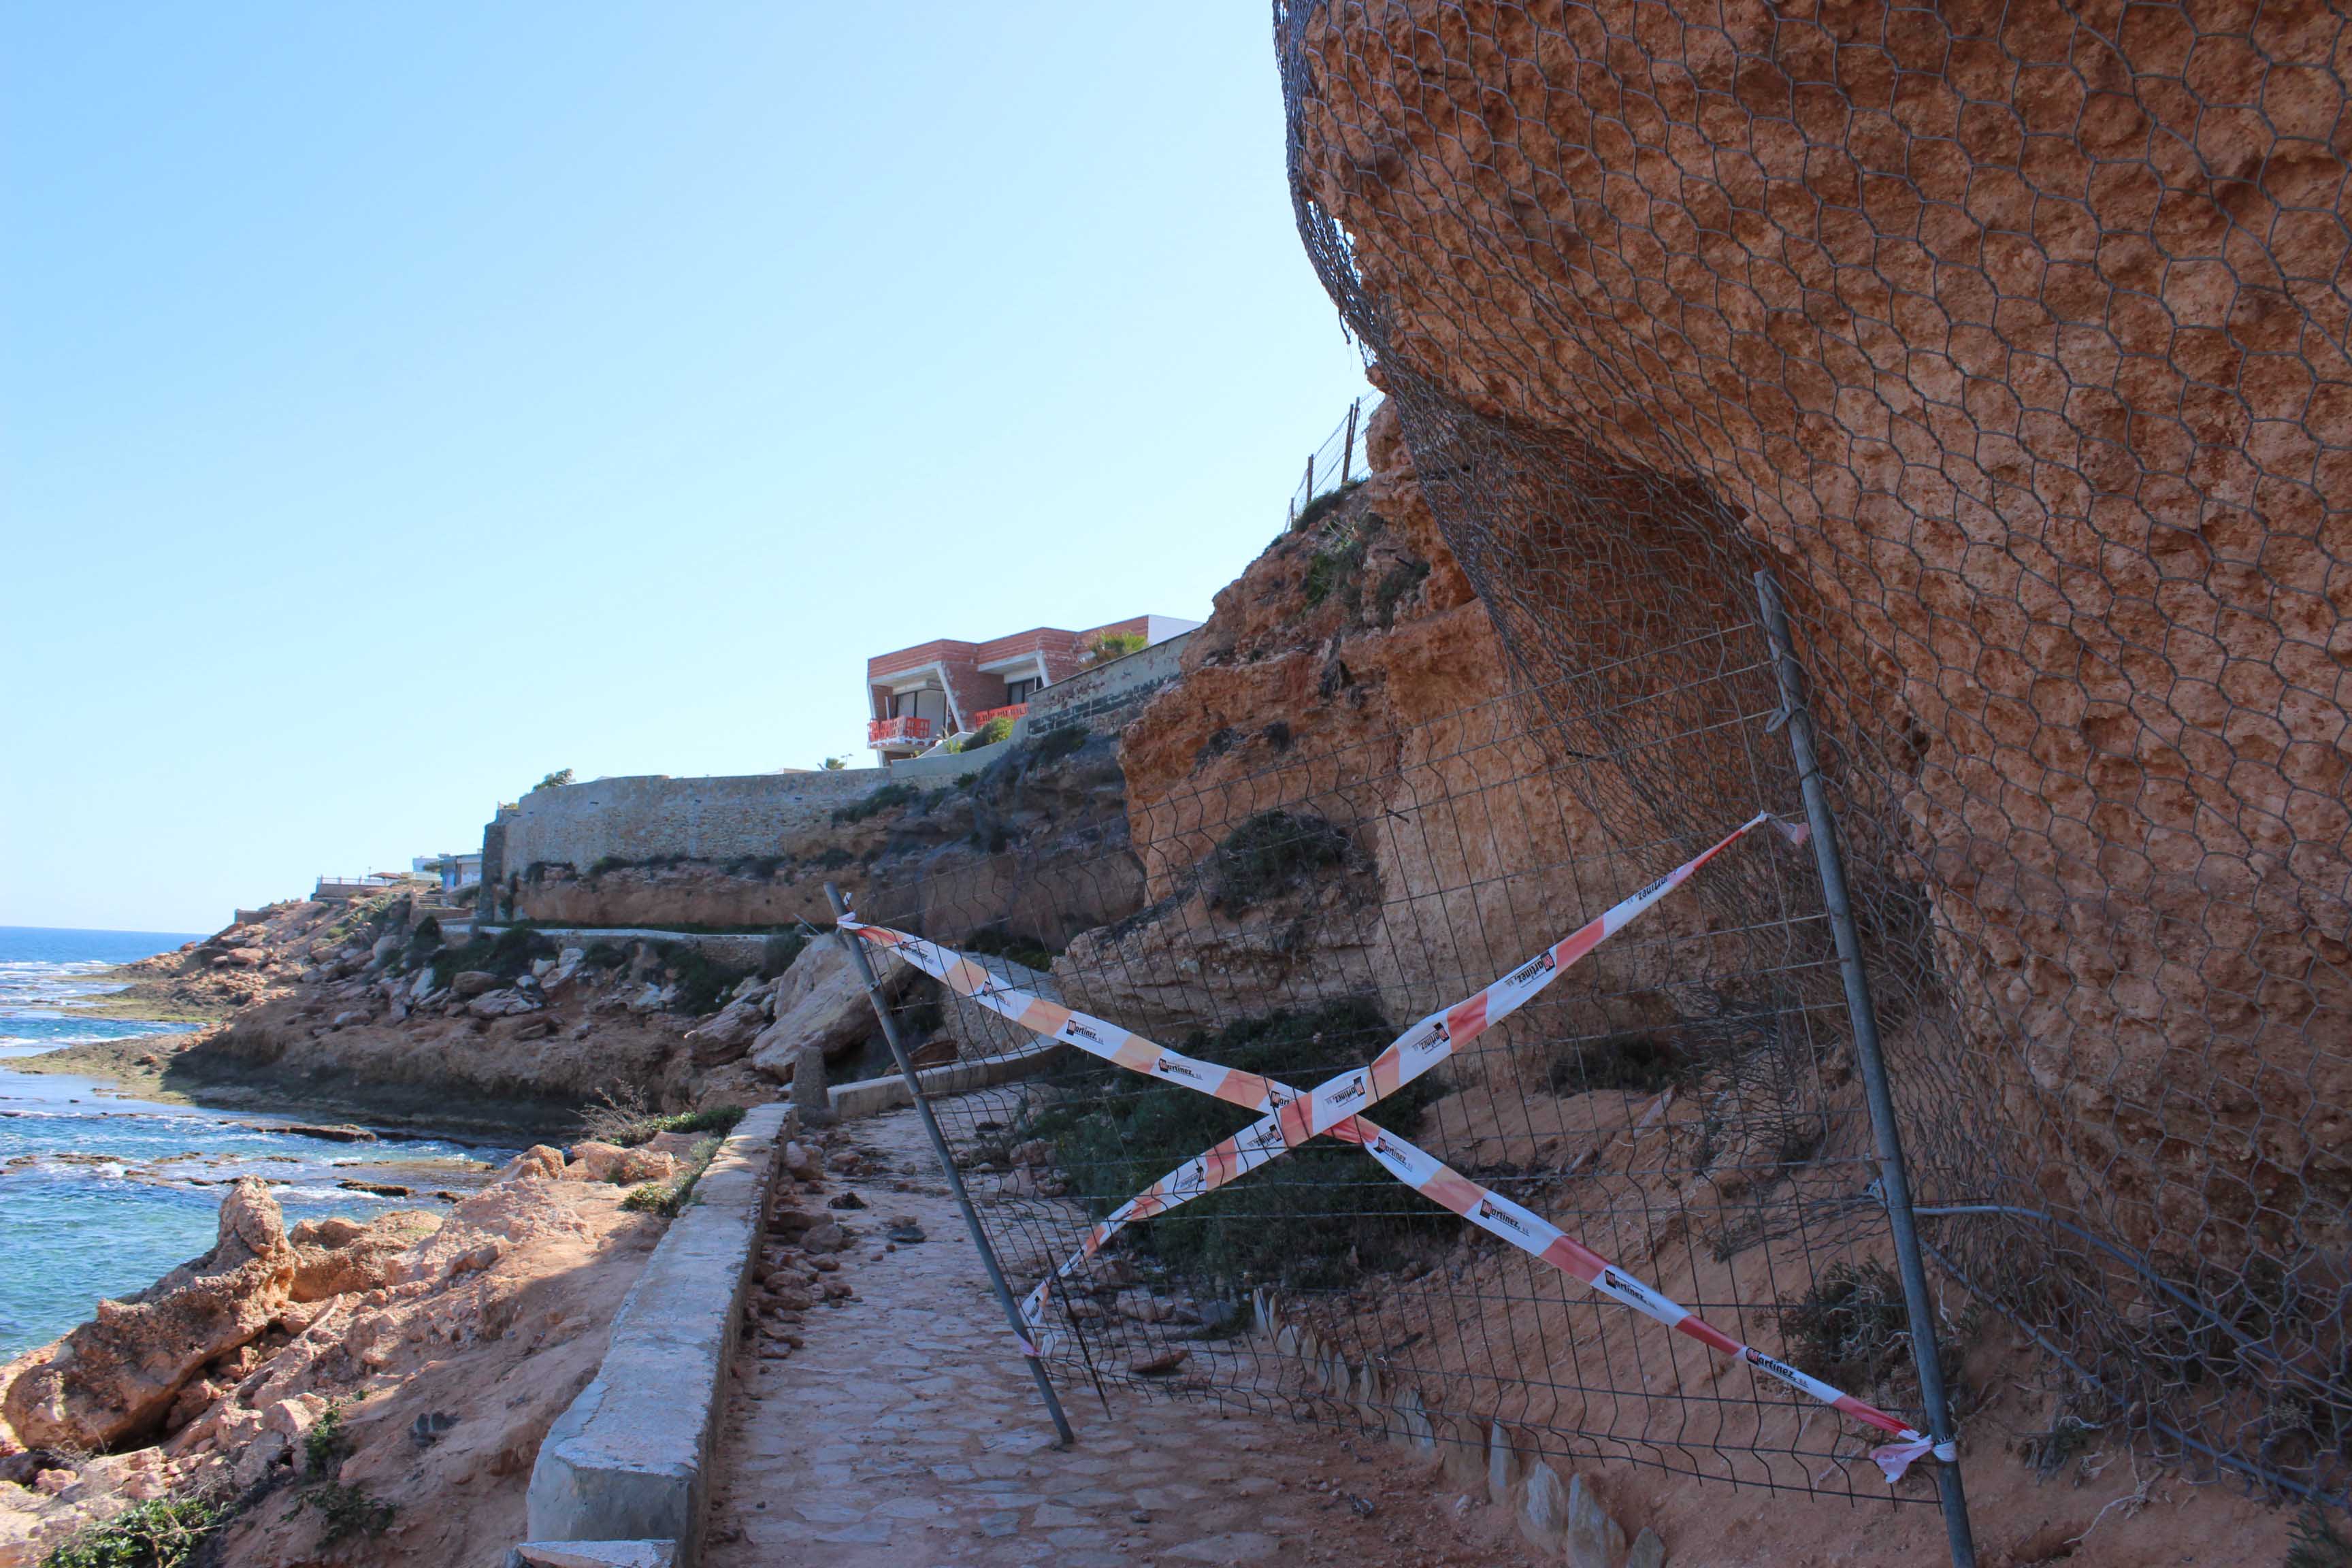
(903, 732)
(1010, 710)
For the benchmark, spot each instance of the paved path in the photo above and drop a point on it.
(903, 1433)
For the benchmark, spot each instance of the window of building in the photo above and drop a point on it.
(928, 703)
(1021, 691)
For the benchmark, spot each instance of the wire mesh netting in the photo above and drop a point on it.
(1683, 1100)
(2014, 338)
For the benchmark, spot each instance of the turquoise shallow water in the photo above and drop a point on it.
(100, 1193)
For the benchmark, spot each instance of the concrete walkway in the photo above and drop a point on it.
(905, 1434)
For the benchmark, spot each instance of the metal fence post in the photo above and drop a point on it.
(856, 951)
(1893, 1181)
(1348, 448)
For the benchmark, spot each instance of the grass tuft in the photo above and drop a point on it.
(670, 1198)
(163, 1532)
(2318, 1543)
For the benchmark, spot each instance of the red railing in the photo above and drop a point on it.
(902, 732)
(1010, 710)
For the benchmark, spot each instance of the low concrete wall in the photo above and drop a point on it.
(1105, 698)
(932, 769)
(873, 1096)
(629, 1460)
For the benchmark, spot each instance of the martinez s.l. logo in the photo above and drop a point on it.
(1429, 1043)
(1780, 1369)
(1486, 1210)
(1528, 973)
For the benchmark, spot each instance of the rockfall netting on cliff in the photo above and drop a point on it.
(2012, 338)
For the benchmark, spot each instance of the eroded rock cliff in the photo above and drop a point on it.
(2018, 338)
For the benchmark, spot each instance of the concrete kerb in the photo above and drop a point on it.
(873, 1096)
(1557, 1512)
(628, 1462)
(593, 1554)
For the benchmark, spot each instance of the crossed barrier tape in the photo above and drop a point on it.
(1288, 1117)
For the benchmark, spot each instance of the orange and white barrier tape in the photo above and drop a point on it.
(1288, 1117)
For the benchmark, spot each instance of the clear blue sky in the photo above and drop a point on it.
(398, 402)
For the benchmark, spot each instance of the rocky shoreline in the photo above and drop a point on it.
(366, 1371)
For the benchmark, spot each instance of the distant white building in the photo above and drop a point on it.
(456, 871)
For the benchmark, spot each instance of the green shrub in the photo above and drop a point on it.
(703, 982)
(1314, 1218)
(555, 780)
(163, 1532)
(1111, 645)
(507, 955)
(1333, 567)
(423, 943)
(995, 731)
(778, 951)
(325, 1443)
(1055, 744)
(1395, 583)
(346, 1511)
(888, 798)
(670, 1198)
(1271, 853)
(1322, 506)
(623, 1119)
(1639, 1061)
(1851, 1329)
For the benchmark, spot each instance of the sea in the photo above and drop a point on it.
(101, 1192)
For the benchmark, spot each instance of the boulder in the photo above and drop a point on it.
(1543, 1509)
(539, 1160)
(820, 1002)
(117, 1376)
(501, 1005)
(472, 983)
(1592, 1539)
(728, 1035)
(327, 1232)
(339, 1258)
(598, 1162)
(1649, 1552)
